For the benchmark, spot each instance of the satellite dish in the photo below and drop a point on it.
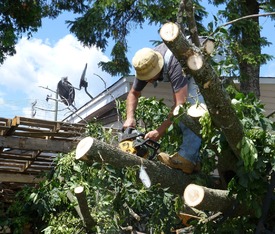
(83, 82)
(66, 91)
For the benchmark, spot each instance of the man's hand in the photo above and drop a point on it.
(130, 122)
(153, 135)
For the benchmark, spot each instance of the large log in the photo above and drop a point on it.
(216, 200)
(90, 150)
(195, 63)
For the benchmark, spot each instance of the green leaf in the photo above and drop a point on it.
(249, 152)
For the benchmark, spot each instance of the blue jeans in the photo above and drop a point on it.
(190, 147)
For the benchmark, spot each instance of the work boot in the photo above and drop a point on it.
(178, 162)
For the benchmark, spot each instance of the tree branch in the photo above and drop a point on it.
(217, 100)
(190, 14)
(245, 17)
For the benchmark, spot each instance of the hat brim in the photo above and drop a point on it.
(155, 70)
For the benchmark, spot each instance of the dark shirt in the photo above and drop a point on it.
(174, 70)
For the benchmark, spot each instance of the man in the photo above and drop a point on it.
(159, 64)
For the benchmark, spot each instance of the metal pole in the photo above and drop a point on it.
(56, 105)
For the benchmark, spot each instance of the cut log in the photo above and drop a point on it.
(84, 209)
(72, 199)
(204, 198)
(216, 200)
(169, 31)
(92, 150)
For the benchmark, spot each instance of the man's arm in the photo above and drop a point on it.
(179, 98)
(131, 105)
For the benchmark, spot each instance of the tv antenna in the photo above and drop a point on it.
(83, 82)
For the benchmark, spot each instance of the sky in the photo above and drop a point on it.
(32, 75)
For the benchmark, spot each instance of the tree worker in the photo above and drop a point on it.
(152, 66)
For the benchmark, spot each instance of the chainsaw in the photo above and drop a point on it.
(132, 141)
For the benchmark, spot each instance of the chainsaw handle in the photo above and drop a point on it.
(128, 130)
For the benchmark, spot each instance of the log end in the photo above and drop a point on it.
(195, 62)
(209, 46)
(193, 195)
(169, 31)
(83, 147)
(197, 110)
(78, 190)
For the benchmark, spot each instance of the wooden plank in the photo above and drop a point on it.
(19, 178)
(5, 125)
(62, 146)
(49, 124)
(60, 135)
(24, 157)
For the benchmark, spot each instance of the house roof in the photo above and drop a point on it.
(101, 104)
(103, 107)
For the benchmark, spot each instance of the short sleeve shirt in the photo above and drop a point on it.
(174, 71)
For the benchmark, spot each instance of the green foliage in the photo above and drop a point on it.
(254, 166)
(17, 17)
(95, 129)
(248, 153)
(110, 193)
(257, 154)
(241, 41)
(119, 59)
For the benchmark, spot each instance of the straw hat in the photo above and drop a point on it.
(147, 63)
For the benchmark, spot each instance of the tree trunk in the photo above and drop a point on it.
(217, 100)
(91, 150)
(251, 45)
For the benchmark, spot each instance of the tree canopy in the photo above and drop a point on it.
(100, 22)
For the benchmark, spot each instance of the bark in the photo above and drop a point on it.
(217, 100)
(91, 150)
